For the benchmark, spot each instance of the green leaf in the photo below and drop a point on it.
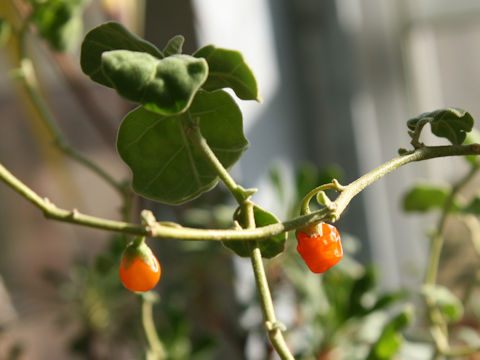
(165, 163)
(59, 22)
(174, 45)
(228, 69)
(450, 306)
(107, 37)
(391, 338)
(268, 247)
(166, 86)
(425, 197)
(450, 123)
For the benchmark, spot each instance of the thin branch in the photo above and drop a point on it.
(97, 116)
(438, 325)
(154, 342)
(423, 153)
(438, 239)
(181, 233)
(237, 191)
(274, 329)
(30, 84)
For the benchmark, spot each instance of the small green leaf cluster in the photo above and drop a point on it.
(457, 126)
(444, 308)
(179, 96)
(450, 123)
(177, 92)
(59, 22)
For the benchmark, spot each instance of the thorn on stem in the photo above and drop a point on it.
(74, 213)
(274, 326)
(148, 219)
(339, 187)
(149, 230)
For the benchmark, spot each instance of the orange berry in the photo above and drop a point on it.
(320, 250)
(137, 275)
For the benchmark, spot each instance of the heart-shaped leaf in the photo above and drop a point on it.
(165, 163)
(166, 86)
(268, 247)
(228, 69)
(450, 123)
(174, 45)
(425, 197)
(107, 37)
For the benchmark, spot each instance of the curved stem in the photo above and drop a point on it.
(305, 208)
(438, 326)
(438, 239)
(274, 329)
(159, 230)
(30, 84)
(237, 191)
(271, 324)
(423, 153)
(154, 343)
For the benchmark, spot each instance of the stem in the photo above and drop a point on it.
(438, 326)
(438, 238)
(182, 233)
(305, 208)
(423, 153)
(271, 324)
(97, 116)
(273, 327)
(237, 191)
(156, 346)
(30, 84)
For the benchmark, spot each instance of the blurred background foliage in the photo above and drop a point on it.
(60, 296)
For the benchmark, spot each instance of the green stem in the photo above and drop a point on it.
(438, 239)
(237, 191)
(155, 345)
(305, 208)
(274, 329)
(438, 326)
(181, 233)
(274, 332)
(30, 84)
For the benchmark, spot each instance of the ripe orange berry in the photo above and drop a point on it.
(139, 271)
(321, 248)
